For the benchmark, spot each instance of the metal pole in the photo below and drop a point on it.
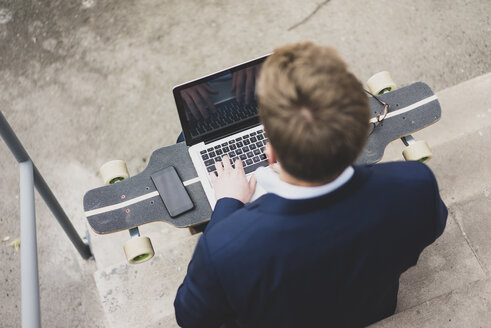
(31, 313)
(21, 155)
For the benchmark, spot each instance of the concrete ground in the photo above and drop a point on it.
(86, 81)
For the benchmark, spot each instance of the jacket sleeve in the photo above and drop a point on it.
(223, 208)
(200, 300)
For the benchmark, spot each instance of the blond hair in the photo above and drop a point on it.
(314, 111)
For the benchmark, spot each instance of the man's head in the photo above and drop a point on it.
(314, 111)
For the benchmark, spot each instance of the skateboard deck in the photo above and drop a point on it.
(136, 201)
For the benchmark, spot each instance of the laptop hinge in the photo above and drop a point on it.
(230, 133)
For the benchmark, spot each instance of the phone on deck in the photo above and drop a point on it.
(172, 191)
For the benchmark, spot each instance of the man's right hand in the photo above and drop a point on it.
(232, 182)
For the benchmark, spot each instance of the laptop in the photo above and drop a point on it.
(218, 115)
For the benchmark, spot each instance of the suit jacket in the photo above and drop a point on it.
(329, 261)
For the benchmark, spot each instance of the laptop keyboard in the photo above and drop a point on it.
(248, 148)
(228, 113)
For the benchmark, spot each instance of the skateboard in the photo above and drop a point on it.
(125, 202)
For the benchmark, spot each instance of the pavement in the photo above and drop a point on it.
(83, 82)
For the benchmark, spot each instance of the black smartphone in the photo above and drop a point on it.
(172, 191)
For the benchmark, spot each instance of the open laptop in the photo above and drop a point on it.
(218, 115)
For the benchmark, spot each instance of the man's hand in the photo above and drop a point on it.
(232, 182)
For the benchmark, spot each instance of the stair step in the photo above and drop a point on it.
(131, 293)
(469, 306)
(462, 167)
(166, 322)
(456, 258)
(447, 264)
(451, 273)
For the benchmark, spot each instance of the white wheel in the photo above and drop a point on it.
(138, 250)
(418, 151)
(380, 83)
(114, 171)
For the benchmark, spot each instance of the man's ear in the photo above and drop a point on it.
(269, 151)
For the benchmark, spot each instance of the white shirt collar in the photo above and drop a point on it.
(270, 181)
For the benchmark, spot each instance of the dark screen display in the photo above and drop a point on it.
(224, 100)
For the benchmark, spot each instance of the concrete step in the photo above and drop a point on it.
(168, 321)
(462, 255)
(453, 274)
(143, 294)
(469, 306)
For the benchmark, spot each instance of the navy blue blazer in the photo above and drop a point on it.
(329, 261)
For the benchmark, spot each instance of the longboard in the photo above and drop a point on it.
(136, 201)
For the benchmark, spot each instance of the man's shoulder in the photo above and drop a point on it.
(402, 183)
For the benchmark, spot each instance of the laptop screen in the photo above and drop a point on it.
(219, 104)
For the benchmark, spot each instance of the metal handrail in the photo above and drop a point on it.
(30, 178)
(21, 155)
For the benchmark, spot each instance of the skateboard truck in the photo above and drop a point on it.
(138, 249)
(416, 150)
(408, 140)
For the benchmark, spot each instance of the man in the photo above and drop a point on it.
(325, 247)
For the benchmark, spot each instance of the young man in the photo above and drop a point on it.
(325, 247)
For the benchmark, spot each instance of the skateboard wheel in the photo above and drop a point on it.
(380, 83)
(114, 171)
(418, 151)
(138, 250)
